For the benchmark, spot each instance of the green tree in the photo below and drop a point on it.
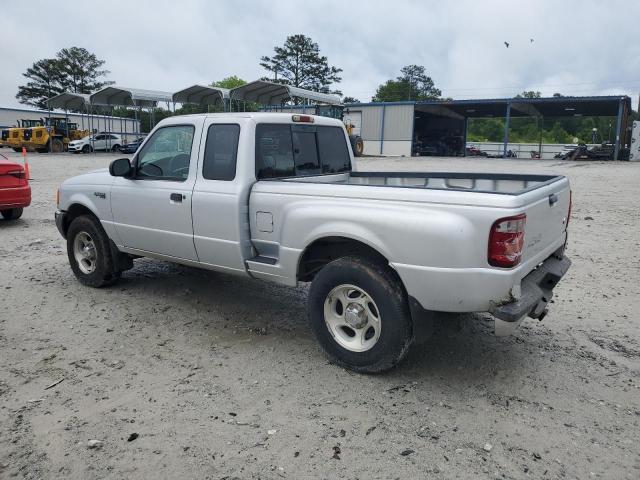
(529, 94)
(350, 100)
(229, 82)
(80, 70)
(299, 63)
(44, 82)
(72, 70)
(412, 84)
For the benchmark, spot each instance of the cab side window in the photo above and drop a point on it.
(221, 151)
(167, 154)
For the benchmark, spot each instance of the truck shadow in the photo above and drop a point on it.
(461, 347)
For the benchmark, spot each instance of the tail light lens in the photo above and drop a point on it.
(20, 174)
(506, 241)
(570, 207)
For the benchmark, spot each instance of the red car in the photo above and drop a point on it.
(15, 192)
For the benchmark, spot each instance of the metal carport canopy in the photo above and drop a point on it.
(123, 96)
(596, 106)
(270, 93)
(201, 95)
(69, 101)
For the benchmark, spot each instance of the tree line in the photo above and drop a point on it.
(299, 62)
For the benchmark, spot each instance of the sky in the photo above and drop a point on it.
(582, 47)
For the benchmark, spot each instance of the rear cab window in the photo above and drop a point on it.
(286, 150)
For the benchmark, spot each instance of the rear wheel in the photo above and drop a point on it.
(359, 314)
(89, 253)
(359, 147)
(116, 148)
(12, 213)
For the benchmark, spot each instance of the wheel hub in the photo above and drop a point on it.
(352, 317)
(84, 251)
(355, 315)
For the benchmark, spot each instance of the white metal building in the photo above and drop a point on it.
(9, 117)
(409, 127)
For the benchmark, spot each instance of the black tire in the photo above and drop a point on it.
(56, 146)
(104, 272)
(358, 147)
(86, 149)
(115, 148)
(384, 287)
(12, 213)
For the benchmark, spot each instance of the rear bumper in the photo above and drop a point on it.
(15, 197)
(537, 290)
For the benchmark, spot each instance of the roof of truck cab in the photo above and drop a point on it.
(258, 116)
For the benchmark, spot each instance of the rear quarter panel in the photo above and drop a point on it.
(436, 240)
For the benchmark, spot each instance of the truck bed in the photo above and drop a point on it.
(499, 183)
(428, 224)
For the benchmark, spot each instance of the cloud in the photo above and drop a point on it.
(579, 48)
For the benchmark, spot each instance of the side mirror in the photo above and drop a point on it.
(120, 167)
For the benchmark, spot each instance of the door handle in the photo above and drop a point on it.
(553, 199)
(176, 197)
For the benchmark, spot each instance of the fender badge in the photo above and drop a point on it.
(100, 194)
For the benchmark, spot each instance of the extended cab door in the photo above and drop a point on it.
(221, 194)
(152, 210)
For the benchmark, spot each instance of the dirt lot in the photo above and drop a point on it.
(220, 377)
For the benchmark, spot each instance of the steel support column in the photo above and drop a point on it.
(507, 121)
(616, 150)
(464, 136)
(540, 133)
(384, 107)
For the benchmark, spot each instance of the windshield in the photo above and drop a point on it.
(31, 123)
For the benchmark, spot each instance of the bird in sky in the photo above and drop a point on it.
(506, 44)
(531, 40)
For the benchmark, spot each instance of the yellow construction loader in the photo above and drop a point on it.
(44, 135)
(13, 137)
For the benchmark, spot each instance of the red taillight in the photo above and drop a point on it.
(570, 206)
(19, 174)
(302, 118)
(506, 241)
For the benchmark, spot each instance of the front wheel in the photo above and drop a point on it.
(56, 146)
(12, 213)
(359, 314)
(86, 149)
(89, 254)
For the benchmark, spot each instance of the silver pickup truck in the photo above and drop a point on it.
(277, 197)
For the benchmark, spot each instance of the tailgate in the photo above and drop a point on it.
(547, 218)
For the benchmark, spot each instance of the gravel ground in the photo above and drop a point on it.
(185, 373)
